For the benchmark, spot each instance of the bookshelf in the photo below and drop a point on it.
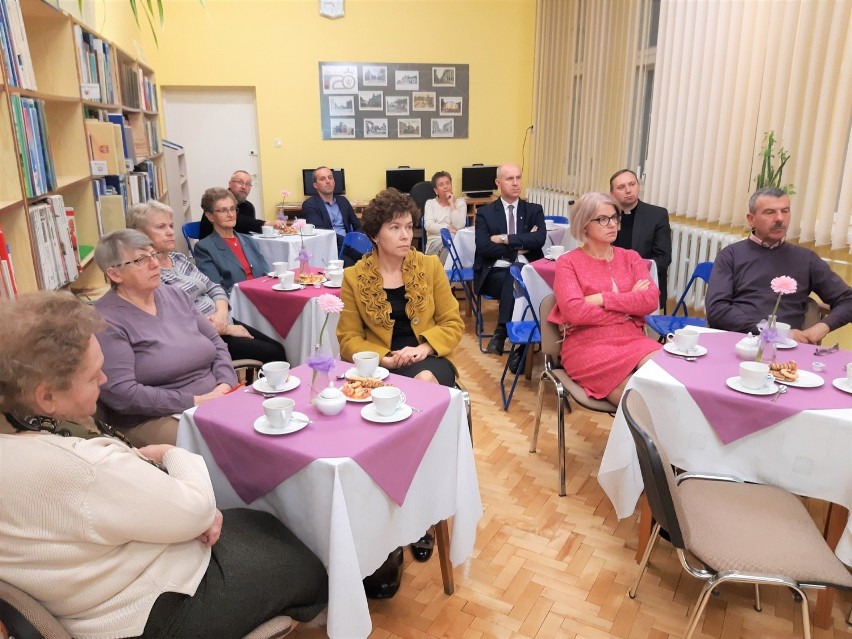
(69, 76)
(177, 185)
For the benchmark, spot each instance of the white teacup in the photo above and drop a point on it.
(268, 231)
(308, 229)
(280, 267)
(685, 340)
(783, 330)
(849, 374)
(335, 264)
(754, 375)
(287, 278)
(278, 411)
(554, 251)
(275, 373)
(549, 225)
(366, 363)
(335, 276)
(387, 399)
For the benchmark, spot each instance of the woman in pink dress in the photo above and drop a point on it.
(602, 296)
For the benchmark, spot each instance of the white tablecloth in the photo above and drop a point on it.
(338, 511)
(465, 242)
(304, 333)
(809, 454)
(322, 246)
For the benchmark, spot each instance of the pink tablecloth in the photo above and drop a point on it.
(734, 415)
(255, 464)
(280, 308)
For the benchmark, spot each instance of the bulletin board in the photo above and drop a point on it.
(381, 101)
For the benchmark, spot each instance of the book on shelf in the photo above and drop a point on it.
(141, 141)
(72, 234)
(126, 139)
(129, 82)
(96, 67)
(18, 50)
(112, 213)
(31, 135)
(56, 264)
(8, 287)
(106, 145)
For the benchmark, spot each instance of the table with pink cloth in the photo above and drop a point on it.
(350, 489)
(802, 442)
(291, 317)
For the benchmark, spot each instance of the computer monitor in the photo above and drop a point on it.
(403, 178)
(308, 182)
(478, 180)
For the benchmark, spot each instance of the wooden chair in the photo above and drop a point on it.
(565, 387)
(815, 312)
(247, 369)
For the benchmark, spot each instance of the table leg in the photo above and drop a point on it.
(835, 523)
(442, 537)
(646, 523)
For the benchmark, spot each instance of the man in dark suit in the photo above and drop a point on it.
(247, 222)
(644, 227)
(507, 230)
(325, 210)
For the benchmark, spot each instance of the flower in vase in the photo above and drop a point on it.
(299, 223)
(329, 303)
(783, 285)
(321, 361)
(284, 194)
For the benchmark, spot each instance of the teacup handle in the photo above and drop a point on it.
(401, 400)
(670, 337)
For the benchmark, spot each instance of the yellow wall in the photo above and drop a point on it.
(275, 46)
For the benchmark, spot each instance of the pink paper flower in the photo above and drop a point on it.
(299, 223)
(285, 193)
(783, 285)
(329, 303)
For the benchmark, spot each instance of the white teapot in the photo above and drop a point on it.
(330, 401)
(747, 347)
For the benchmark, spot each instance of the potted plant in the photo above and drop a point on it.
(770, 175)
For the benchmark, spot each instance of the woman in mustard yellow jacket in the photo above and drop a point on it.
(397, 301)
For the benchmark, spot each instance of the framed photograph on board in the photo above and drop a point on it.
(375, 127)
(407, 80)
(374, 76)
(339, 78)
(339, 105)
(408, 128)
(443, 76)
(343, 128)
(396, 105)
(442, 127)
(371, 100)
(450, 105)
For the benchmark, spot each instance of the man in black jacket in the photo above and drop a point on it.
(247, 222)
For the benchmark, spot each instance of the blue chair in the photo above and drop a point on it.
(421, 193)
(191, 231)
(522, 335)
(665, 324)
(357, 241)
(457, 273)
(558, 219)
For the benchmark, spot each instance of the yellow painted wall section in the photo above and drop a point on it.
(275, 46)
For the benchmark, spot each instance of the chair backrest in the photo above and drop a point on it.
(447, 239)
(551, 336)
(814, 312)
(515, 272)
(559, 219)
(191, 231)
(420, 193)
(358, 241)
(21, 613)
(657, 474)
(702, 272)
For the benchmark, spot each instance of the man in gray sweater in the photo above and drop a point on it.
(739, 294)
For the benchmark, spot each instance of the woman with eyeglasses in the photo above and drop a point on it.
(602, 296)
(225, 256)
(161, 356)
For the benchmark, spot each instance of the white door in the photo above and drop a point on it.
(218, 129)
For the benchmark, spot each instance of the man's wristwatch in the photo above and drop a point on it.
(504, 238)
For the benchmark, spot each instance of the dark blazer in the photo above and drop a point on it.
(491, 220)
(217, 261)
(246, 221)
(315, 212)
(652, 239)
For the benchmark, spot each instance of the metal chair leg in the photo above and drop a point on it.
(534, 439)
(700, 604)
(757, 605)
(560, 440)
(655, 532)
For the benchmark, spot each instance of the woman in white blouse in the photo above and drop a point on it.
(445, 211)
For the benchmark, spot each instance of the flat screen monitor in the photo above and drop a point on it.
(403, 179)
(308, 182)
(478, 180)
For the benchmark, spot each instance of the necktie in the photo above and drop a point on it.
(511, 219)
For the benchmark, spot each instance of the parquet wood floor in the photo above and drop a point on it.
(546, 566)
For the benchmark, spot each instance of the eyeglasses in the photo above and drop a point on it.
(243, 183)
(605, 220)
(145, 260)
(232, 209)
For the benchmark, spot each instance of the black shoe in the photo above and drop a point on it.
(495, 344)
(422, 550)
(515, 359)
(384, 583)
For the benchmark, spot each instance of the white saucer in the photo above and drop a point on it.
(380, 373)
(297, 422)
(330, 285)
(842, 384)
(292, 287)
(806, 379)
(369, 413)
(366, 400)
(734, 383)
(698, 351)
(307, 234)
(790, 343)
(552, 259)
(262, 386)
(267, 237)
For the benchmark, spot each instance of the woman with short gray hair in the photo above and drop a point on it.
(161, 356)
(156, 220)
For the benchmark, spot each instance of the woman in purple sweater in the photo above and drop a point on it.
(161, 355)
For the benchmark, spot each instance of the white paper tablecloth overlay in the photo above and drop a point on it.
(465, 243)
(322, 246)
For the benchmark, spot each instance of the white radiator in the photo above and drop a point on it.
(553, 202)
(690, 246)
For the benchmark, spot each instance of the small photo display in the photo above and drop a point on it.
(371, 100)
(396, 105)
(376, 127)
(339, 79)
(407, 80)
(339, 105)
(408, 128)
(450, 105)
(423, 101)
(374, 76)
(443, 76)
(443, 127)
(342, 128)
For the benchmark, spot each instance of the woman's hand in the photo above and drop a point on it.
(155, 452)
(410, 355)
(641, 285)
(211, 535)
(219, 320)
(595, 299)
(220, 390)
(235, 330)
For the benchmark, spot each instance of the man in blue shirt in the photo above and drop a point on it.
(325, 210)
